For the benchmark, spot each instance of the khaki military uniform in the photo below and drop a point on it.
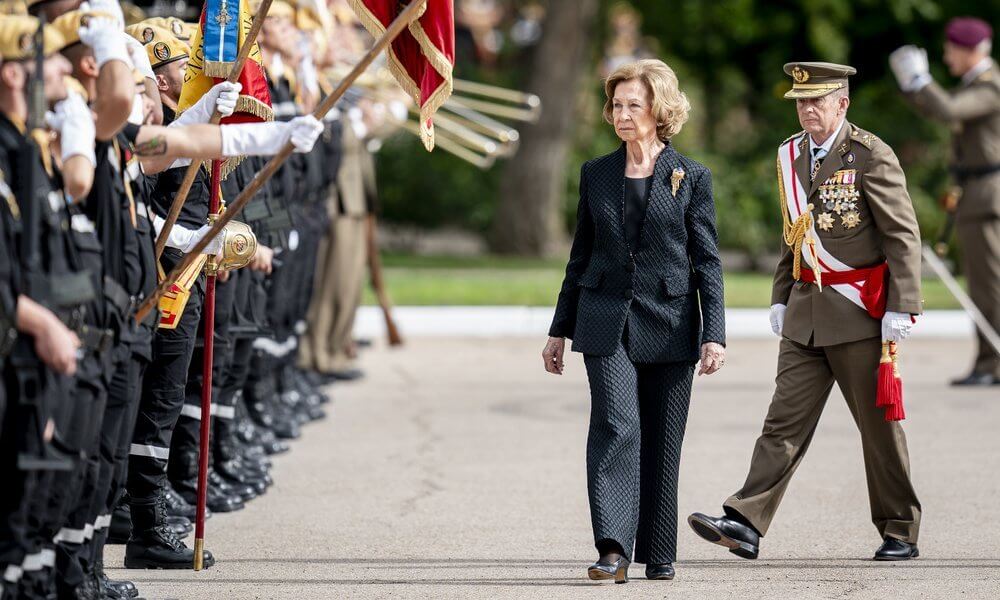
(340, 270)
(973, 112)
(828, 339)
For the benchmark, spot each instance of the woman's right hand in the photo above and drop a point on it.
(552, 355)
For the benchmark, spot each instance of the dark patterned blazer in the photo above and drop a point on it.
(669, 288)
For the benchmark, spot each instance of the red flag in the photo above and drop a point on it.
(422, 57)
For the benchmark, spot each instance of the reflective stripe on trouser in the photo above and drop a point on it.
(637, 421)
(162, 396)
(187, 434)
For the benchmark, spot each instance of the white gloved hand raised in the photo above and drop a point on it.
(75, 124)
(896, 326)
(137, 54)
(910, 66)
(112, 8)
(222, 96)
(777, 317)
(265, 139)
(106, 39)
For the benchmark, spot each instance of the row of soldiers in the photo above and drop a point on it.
(100, 413)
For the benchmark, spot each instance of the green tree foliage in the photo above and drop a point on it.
(728, 55)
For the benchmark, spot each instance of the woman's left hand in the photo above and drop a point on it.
(713, 356)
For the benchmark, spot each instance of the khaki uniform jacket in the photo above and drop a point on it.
(887, 231)
(973, 113)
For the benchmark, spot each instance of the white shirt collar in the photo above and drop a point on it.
(828, 143)
(980, 68)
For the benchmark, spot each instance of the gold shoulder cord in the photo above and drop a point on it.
(797, 233)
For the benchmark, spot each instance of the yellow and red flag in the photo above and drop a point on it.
(422, 57)
(221, 32)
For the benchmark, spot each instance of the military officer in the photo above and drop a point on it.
(848, 279)
(972, 110)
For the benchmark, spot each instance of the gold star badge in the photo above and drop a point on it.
(850, 220)
(825, 221)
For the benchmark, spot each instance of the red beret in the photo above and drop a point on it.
(967, 31)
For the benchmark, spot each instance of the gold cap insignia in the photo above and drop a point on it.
(147, 35)
(800, 75)
(161, 50)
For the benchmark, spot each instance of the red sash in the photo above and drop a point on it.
(873, 290)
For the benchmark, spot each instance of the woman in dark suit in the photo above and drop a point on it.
(642, 300)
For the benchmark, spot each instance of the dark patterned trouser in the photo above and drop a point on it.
(637, 420)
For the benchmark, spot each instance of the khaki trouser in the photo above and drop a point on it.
(806, 375)
(340, 273)
(980, 244)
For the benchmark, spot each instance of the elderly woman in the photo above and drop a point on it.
(642, 300)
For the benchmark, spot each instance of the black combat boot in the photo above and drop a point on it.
(153, 545)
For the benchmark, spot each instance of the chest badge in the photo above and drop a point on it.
(825, 221)
(675, 180)
(850, 219)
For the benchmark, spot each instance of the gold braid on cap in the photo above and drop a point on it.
(797, 233)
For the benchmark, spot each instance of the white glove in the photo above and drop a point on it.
(222, 96)
(75, 124)
(777, 318)
(909, 65)
(184, 239)
(109, 7)
(105, 38)
(137, 54)
(265, 139)
(896, 326)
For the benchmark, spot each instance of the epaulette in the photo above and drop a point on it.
(792, 137)
(863, 137)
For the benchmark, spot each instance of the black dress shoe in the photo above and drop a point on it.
(741, 540)
(606, 568)
(976, 379)
(664, 572)
(347, 374)
(893, 549)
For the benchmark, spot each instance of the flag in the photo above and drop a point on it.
(214, 46)
(422, 57)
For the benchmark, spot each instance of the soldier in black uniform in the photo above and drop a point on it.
(37, 225)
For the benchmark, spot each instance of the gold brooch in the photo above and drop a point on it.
(675, 180)
(850, 220)
(824, 221)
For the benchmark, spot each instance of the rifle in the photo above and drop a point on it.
(375, 271)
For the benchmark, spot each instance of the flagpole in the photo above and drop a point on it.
(411, 12)
(192, 170)
(206, 376)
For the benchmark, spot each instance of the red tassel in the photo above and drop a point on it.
(895, 411)
(886, 379)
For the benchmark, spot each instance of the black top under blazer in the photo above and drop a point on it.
(653, 285)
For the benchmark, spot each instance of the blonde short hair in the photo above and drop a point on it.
(669, 104)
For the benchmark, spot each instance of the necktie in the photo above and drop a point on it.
(818, 155)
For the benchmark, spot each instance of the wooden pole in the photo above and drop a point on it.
(395, 28)
(192, 171)
(206, 380)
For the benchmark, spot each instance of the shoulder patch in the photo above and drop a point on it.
(792, 137)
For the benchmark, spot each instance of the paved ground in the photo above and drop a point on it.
(456, 470)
